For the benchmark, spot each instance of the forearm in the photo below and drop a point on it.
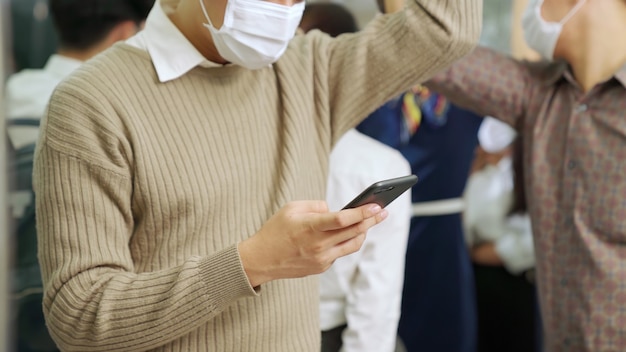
(95, 297)
(108, 309)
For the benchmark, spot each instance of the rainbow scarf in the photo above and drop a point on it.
(420, 103)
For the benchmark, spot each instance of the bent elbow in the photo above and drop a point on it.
(60, 332)
(70, 330)
(464, 43)
(465, 29)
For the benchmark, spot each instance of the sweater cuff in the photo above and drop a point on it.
(225, 277)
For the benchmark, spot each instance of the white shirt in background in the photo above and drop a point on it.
(364, 289)
(28, 93)
(488, 200)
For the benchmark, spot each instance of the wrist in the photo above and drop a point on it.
(252, 263)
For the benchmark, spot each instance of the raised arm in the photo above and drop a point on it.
(488, 83)
(393, 52)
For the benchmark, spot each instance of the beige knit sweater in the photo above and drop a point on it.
(145, 188)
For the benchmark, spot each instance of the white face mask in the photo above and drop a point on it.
(255, 33)
(541, 35)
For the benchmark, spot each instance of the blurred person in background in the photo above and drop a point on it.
(569, 110)
(360, 294)
(438, 139)
(6, 339)
(499, 235)
(33, 36)
(84, 29)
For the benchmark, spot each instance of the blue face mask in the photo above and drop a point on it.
(540, 34)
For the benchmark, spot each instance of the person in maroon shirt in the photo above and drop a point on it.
(571, 112)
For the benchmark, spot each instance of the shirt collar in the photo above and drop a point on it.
(61, 66)
(621, 75)
(171, 53)
(560, 70)
(555, 72)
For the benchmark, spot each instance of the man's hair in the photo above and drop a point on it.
(81, 24)
(329, 18)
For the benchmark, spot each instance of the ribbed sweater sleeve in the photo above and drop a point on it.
(363, 70)
(94, 296)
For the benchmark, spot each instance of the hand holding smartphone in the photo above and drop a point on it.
(383, 192)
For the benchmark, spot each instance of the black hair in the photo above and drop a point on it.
(381, 5)
(330, 18)
(81, 24)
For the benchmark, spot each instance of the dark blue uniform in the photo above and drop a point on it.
(438, 307)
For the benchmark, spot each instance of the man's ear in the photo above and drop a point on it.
(123, 31)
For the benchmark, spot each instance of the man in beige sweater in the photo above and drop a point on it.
(178, 175)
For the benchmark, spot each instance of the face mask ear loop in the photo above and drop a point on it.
(297, 9)
(206, 15)
(572, 12)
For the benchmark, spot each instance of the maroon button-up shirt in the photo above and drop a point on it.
(575, 173)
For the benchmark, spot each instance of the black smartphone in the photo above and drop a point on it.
(383, 192)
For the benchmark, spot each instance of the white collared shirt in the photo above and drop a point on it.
(171, 52)
(28, 93)
(364, 289)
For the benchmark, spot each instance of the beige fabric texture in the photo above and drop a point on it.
(144, 188)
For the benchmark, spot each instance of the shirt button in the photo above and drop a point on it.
(571, 165)
(581, 108)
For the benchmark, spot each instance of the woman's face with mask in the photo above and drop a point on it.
(544, 20)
